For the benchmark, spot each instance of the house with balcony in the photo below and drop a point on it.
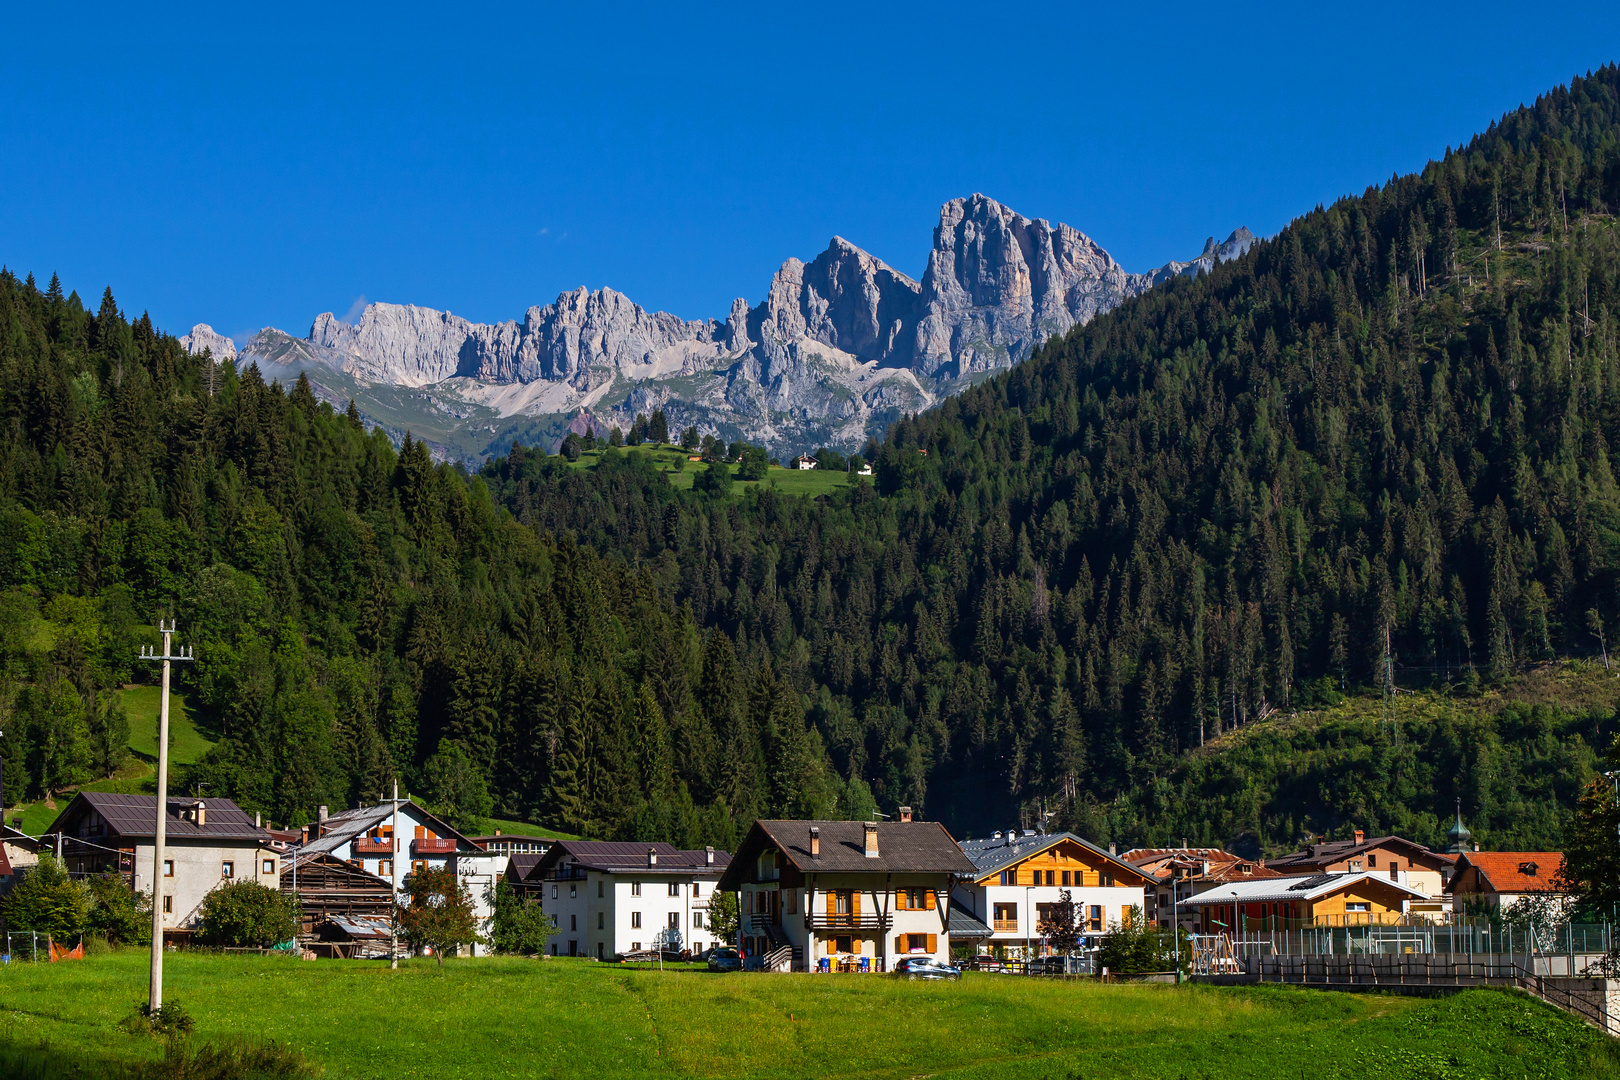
(845, 895)
(207, 843)
(1406, 862)
(1020, 876)
(1313, 900)
(612, 899)
(1177, 874)
(365, 838)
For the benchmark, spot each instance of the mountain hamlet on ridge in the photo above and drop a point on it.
(840, 347)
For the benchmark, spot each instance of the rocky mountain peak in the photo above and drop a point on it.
(202, 337)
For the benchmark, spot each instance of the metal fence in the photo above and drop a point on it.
(1474, 938)
(26, 947)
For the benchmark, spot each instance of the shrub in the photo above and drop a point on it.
(246, 913)
(48, 901)
(118, 915)
(440, 913)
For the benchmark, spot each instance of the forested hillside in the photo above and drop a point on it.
(1375, 452)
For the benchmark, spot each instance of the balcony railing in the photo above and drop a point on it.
(565, 873)
(823, 922)
(1004, 926)
(366, 845)
(439, 846)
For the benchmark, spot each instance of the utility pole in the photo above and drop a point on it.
(168, 656)
(393, 876)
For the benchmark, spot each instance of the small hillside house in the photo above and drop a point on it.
(207, 843)
(613, 898)
(846, 895)
(364, 837)
(804, 462)
(1502, 878)
(1019, 877)
(1286, 903)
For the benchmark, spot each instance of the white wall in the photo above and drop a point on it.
(199, 870)
(602, 909)
(982, 900)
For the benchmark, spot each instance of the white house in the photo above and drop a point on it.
(1019, 877)
(364, 837)
(846, 895)
(611, 898)
(208, 843)
(805, 462)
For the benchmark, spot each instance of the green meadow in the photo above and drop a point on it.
(541, 1018)
(672, 461)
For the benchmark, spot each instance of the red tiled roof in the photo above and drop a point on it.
(1514, 871)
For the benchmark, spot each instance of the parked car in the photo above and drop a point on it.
(924, 967)
(984, 962)
(725, 959)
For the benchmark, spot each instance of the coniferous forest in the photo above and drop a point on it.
(1374, 454)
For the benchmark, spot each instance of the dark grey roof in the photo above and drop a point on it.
(628, 856)
(991, 855)
(1319, 856)
(904, 847)
(520, 863)
(133, 817)
(964, 924)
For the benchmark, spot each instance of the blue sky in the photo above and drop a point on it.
(257, 168)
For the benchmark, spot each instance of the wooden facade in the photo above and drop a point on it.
(328, 886)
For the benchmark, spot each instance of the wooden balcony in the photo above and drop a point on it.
(438, 846)
(1004, 926)
(365, 845)
(823, 923)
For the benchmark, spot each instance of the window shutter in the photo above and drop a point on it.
(928, 900)
(832, 902)
(933, 942)
(899, 943)
(855, 903)
(901, 897)
(421, 833)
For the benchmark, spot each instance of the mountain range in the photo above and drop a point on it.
(839, 347)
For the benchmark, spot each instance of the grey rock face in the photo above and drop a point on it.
(202, 337)
(840, 345)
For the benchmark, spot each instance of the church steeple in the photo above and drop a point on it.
(1459, 834)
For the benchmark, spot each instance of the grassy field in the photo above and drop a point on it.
(521, 828)
(786, 480)
(524, 1018)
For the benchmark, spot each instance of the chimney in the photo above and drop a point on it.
(871, 839)
(1360, 836)
(905, 813)
(708, 855)
(256, 823)
(815, 842)
(497, 832)
(201, 813)
(652, 856)
(1184, 843)
(306, 834)
(996, 835)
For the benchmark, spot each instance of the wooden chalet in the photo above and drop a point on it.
(328, 887)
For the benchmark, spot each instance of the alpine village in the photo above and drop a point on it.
(1251, 630)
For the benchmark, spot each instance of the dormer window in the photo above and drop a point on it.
(1355, 866)
(1528, 869)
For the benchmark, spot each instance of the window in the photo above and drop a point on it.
(1051, 877)
(1106, 880)
(841, 903)
(697, 920)
(1065, 877)
(269, 866)
(418, 866)
(600, 924)
(694, 889)
(1006, 918)
(168, 905)
(635, 888)
(573, 924)
(674, 920)
(1095, 924)
(573, 891)
(674, 888)
(1355, 866)
(361, 863)
(168, 868)
(554, 892)
(843, 944)
(1372, 859)
(635, 946)
(385, 867)
(916, 943)
(1358, 906)
(553, 948)
(227, 869)
(635, 920)
(599, 888)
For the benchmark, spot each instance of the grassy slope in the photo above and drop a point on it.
(186, 745)
(523, 828)
(519, 1018)
(787, 481)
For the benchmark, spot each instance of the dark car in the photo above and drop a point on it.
(724, 959)
(924, 967)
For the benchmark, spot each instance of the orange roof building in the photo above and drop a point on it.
(1501, 878)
